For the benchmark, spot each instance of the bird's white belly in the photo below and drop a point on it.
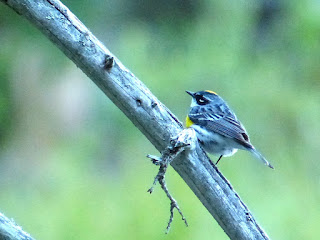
(215, 143)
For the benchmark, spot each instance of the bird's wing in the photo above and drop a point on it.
(225, 124)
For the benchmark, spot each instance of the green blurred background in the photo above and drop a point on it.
(72, 166)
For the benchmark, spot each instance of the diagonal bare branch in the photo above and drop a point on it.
(147, 113)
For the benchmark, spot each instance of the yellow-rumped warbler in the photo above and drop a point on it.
(217, 127)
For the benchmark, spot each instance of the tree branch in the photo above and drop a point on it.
(147, 113)
(10, 231)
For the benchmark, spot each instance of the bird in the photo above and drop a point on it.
(217, 127)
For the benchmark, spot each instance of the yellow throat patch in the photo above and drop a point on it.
(188, 122)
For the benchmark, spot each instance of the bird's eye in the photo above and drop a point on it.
(201, 100)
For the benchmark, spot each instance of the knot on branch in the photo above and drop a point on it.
(108, 62)
(185, 141)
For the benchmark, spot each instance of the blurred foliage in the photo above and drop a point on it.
(73, 167)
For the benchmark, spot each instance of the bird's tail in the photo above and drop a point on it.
(260, 157)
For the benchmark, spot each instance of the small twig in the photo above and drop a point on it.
(154, 159)
(173, 205)
(167, 157)
(177, 145)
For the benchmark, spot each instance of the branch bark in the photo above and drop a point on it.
(10, 231)
(147, 113)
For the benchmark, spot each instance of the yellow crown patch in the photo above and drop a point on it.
(209, 91)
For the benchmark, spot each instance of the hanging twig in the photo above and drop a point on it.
(177, 146)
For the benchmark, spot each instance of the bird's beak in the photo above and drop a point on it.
(190, 93)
